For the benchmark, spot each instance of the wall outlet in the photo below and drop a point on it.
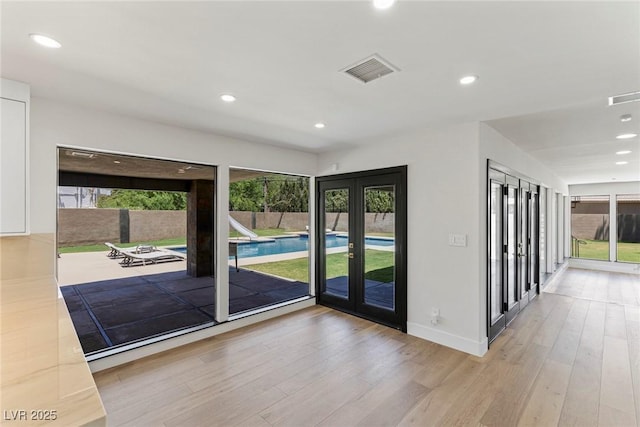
(435, 316)
(457, 239)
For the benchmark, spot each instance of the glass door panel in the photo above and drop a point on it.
(496, 251)
(533, 245)
(511, 290)
(336, 243)
(378, 244)
(542, 234)
(523, 244)
(497, 319)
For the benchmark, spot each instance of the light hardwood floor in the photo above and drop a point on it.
(563, 361)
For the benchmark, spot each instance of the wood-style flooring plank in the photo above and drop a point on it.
(544, 405)
(583, 394)
(566, 345)
(632, 315)
(615, 324)
(616, 392)
(395, 391)
(565, 360)
(433, 407)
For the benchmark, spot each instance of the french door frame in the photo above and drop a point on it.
(521, 277)
(355, 303)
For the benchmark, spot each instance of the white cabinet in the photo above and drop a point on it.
(14, 158)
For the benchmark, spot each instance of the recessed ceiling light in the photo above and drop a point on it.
(117, 162)
(45, 41)
(626, 136)
(621, 163)
(467, 80)
(319, 125)
(180, 170)
(625, 118)
(620, 153)
(383, 4)
(227, 97)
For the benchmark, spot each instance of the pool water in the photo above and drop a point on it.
(294, 244)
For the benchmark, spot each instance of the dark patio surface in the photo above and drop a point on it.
(375, 293)
(113, 312)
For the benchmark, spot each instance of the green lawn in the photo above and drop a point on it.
(599, 249)
(182, 241)
(378, 266)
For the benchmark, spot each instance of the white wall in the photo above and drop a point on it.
(53, 124)
(494, 146)
(604, 189)
(446, 194)
(443, 173)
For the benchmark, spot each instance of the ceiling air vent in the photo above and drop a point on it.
(370, 68)
(626, 97)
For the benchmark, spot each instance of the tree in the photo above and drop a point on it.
(144, 200)
(246, 195)
(336, 201)
(289, 195)
(380, 200)
(274, 193)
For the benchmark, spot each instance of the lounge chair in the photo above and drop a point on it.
(159, 255)
(117, 252)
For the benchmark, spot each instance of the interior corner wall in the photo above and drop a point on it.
(494, 146)
(442, 191)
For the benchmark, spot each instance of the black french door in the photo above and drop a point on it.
(361, 244)
(513, 253)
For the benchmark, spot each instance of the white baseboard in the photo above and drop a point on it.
(187, 338)
(476, 348)
(615, 267)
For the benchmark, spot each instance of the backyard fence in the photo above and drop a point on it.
(95, 226)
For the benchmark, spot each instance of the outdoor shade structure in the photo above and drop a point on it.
(151, 174)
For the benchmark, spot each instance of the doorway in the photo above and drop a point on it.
(513, 247)
(361, 244)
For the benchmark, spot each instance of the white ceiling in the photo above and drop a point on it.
(546, 69)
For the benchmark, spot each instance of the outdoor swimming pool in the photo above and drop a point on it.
(294, 244)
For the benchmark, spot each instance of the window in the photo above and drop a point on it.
(268, 239)
(628, 218)
(590, 227)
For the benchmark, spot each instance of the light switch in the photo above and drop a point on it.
(457, 239)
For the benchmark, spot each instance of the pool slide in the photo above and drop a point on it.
(241, 228)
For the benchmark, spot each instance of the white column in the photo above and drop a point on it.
(222, 243)
(567, 225)
(312, 236)
(613, 228)
(560, 228)
(553, 233)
